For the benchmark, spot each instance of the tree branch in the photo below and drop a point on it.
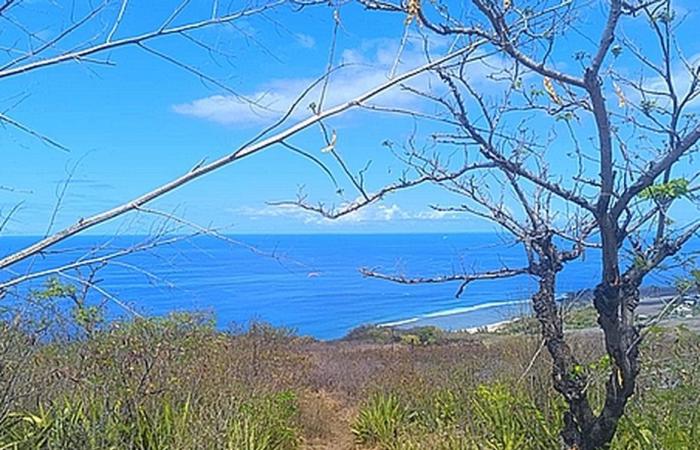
(90, 222)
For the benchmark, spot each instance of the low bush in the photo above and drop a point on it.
(176, 383)
(381, 421)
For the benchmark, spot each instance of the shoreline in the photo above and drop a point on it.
(489, 328)
(493, 316)
(465, 318)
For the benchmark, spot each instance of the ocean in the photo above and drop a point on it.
(312, 283)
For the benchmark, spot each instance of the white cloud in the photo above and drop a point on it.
(436, 215)
(370, 214)
(227, 109)
(364, 68)
(390, 212)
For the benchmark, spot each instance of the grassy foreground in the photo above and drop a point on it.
(177, 383)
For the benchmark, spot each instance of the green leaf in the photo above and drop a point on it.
(675, 188)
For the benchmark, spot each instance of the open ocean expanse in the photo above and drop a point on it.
(312, 283)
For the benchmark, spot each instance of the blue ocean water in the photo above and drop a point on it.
(312, 282)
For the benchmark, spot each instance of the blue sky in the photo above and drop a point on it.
(141, 122)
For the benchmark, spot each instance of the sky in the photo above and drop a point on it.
(140, 121)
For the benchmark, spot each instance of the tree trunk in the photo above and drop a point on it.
(615, 305)
(567, 377)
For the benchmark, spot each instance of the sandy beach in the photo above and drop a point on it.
(493, 318)
(490, 328)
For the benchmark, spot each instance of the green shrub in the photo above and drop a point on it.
(521, 325)
(426, 335)
(176, 383)
(581, 317)
(381, 421)
(266, 424)
(666, 412)
(80, 425)
(507, 419)
(652, 426)
(444, 410)
(498, 416)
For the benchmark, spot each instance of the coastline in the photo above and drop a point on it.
(490, 328)
(472, 317)
(493, 316)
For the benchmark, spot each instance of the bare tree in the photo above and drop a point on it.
(621, 170)
(562, 160)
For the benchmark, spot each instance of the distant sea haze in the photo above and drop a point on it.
(312, 283)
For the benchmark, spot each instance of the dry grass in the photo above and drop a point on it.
(177, 383)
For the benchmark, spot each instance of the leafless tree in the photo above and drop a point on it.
(595, 156)
(623, 121)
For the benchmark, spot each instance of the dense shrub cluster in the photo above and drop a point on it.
(178, 383)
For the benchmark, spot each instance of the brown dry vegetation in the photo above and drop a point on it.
(177, 383)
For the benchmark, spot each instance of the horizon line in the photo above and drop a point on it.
(373, 233)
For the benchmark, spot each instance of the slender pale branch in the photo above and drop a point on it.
(204, 169)
(78, 55)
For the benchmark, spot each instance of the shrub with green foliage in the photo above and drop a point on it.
(381, 421)
(427, 335)
(494, 416)
(266, 424)
(176, 383)
(509, 414)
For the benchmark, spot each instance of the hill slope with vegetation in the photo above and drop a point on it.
(178, 383)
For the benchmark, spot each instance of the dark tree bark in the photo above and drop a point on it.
(611, 188)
